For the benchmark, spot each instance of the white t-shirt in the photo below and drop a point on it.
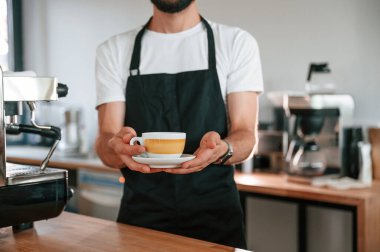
(237, 57)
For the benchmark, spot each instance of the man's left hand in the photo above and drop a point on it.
(210, 149)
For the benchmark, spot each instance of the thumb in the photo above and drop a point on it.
(211, 139)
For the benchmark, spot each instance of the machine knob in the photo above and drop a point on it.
(70, 193)
(62, 90)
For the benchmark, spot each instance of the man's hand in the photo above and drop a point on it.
(119, 143)
(210, 149)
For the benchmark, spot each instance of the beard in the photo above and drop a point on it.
(171, 6)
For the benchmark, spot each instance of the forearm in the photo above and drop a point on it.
(105, 153)
(243, 143)
(243, 111)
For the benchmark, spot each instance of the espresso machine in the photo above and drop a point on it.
(313, 127)
(29, 193)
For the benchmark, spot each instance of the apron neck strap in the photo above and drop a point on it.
(134, 68)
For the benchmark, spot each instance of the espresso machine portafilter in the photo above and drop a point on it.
(29, 193)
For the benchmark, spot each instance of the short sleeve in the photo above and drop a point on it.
(245, 70)
(110, 86)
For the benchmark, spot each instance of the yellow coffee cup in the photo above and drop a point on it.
(162, 144)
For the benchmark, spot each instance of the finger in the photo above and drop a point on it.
(196, 152)
(155, 170)
(204, 156)
(122, 148)
(210, 139)
(128, 130)
(126, 134)
(131, 164)
(127, 137)
(134, 166)
(195, 162)
(184, 171)
(129, 150)
(203, 160)
(125, 130)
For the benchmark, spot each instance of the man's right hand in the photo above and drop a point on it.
(119, 143)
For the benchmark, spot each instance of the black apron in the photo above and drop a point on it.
(203, 205)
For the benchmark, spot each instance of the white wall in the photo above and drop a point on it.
(293, 33)
(61, 38)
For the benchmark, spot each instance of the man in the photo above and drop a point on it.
(180, 73)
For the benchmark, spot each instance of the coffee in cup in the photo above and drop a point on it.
(162, 144)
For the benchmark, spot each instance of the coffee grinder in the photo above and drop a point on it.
(29, 193)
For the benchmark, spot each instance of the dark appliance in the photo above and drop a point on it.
(316, 119)
(350, 151)
(304, 156)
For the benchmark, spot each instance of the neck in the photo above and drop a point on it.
(172, 23)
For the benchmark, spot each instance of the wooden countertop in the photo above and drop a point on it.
(276, 184)
(73, 232)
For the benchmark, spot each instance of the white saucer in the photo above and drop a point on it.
(163, 162)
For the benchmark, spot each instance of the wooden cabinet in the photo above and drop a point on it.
(364, 204)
